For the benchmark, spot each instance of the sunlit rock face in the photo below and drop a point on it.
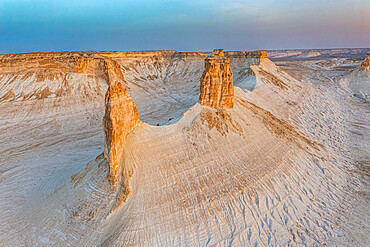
(51, 75)
(218, 52)
(121, 117)
(216, 84)
(365, 66)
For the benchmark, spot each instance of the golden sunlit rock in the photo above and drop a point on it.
(218, 52)
(121, 117)
(216, 84)
(365, 66)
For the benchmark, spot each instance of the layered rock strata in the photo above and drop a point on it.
(253, 56)
(66, 74)
(216, 83)
(46, 75)
(241, 62)
(365, 66)
(121, 117)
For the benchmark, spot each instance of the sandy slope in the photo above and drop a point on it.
(285, 166)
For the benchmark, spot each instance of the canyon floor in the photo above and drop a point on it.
(287, 166)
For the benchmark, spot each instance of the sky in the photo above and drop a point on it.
(189, 25)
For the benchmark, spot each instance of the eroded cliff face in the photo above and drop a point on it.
(44, 75)
(241, 62)
(121, 117)
(255, 56)
(58, 74)
(216, 84)
(365, 66)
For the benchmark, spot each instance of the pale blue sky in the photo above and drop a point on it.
(42, 25)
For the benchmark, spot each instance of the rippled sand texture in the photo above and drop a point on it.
(287, 165)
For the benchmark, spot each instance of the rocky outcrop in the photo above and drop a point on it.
(216, 84)
(121, 117)
(365, 66)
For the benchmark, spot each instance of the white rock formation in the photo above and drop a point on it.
(277, 169)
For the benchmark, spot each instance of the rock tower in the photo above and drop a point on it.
(121, 117)
(216, 84)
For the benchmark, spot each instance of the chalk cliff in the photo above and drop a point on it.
(51, 74)
(241, 62)
(216, 84)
